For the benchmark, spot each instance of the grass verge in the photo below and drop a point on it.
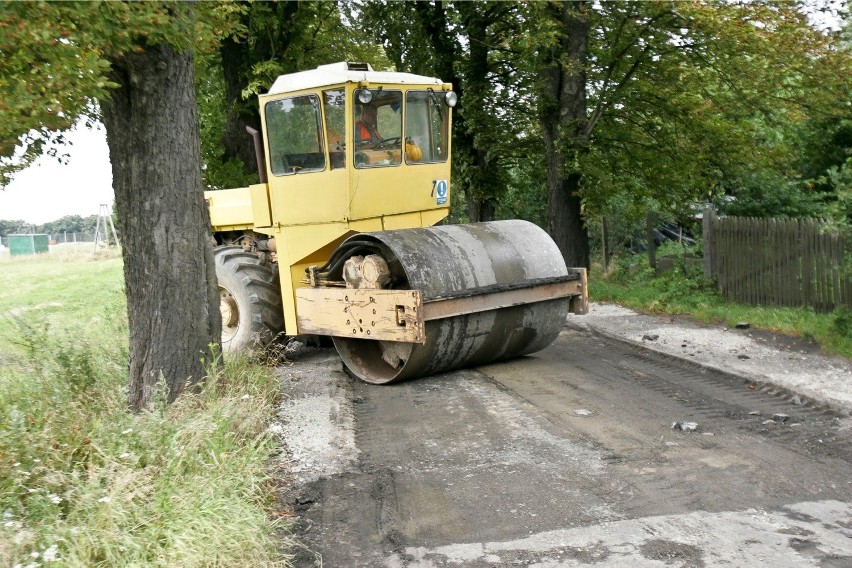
(84, 482)
(680, 292)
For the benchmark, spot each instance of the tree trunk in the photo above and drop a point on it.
(480, 210)
(486, 182)
(239, 114)
(563, 127)
(433, 18)
(172, 294)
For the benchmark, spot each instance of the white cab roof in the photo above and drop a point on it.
(343, 72)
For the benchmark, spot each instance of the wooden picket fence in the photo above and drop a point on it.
(778, 262)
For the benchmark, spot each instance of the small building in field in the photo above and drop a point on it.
(20, 245)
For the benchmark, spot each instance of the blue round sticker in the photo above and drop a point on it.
(441, 191)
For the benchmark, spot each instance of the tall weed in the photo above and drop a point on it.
(84, 482)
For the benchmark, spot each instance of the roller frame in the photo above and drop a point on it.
(401, 315)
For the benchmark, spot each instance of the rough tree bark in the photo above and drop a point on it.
(563, 126)
(172, 294)
(240, 113)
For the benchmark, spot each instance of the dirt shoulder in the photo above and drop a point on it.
(765, 358)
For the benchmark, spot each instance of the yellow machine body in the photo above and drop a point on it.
(310, 212)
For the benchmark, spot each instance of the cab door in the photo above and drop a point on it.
(307, 185)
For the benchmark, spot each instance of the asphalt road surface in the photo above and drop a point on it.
(565, 458)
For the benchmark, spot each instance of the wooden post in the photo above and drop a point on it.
(652, 245)
(708, 231)
(845, 275)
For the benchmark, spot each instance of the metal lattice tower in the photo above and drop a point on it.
(103, 229)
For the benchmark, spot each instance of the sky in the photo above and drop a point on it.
(48, 190)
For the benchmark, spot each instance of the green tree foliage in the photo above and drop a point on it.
(55, 63)
(680, 102)
(823, 144)
(50, 83)
(69, 224)
(685, 101)
(562, 67)
(841, 210)
(267, 39)
(467, 44)
(66, 224)
(568, 111)
(490, 88)
(13, 227)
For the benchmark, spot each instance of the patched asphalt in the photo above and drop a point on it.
(564, 458)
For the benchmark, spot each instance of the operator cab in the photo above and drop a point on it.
(365, 144)
(382, 117)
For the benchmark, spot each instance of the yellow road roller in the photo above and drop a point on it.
(340, 237)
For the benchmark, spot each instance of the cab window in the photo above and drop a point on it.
(426, 128)
(378, 128)
(294, 131)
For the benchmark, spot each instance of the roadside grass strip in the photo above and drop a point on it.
(85, 482)
(679, 292)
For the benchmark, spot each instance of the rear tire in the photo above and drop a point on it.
(249, 299)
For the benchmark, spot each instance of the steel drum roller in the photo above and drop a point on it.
(447, 260)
